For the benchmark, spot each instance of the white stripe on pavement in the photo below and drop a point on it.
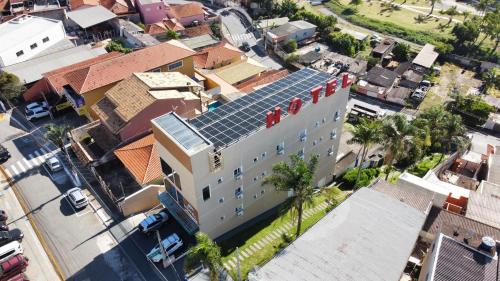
(30, 166)
(39, 156)
(33, 159)
(14, 170)
(21, 166)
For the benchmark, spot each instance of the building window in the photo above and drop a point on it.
(316, 125)
(320, 139)
(237, 173)
(330, 151)
(156, 70)
(255, 196)
(280, 148)
(256, 159)
(262, 192)
(333, 134)
(222, 218)
(238, 193)
(323, 120)
(303, 136)
(263, 155)
(33, 46)
(45, 40)
(219, 180)
(175, 65)
(301, 153)
(315, 142)
(20, 53)
(206, 193)
(221, 200)
(239, 211)
(336, 117)
(264, 174)
(256, 178)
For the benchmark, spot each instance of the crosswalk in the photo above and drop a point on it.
(24, 165)
(241, 37)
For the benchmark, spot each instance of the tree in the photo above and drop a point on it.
(466, 15)
(115, 45)
(10, 87)
(57, 134)
(356, 2)
(433, 3)
(401, 51)
(206, 251)
(371, 62)
(170, 34)
(452, 11)
(296, 177)
(290, 46)
(215, 27)
(397, 135)
(343, 43)
(491, 79)
(474, 110)
(466, 32)
(287, 7)
(365, 133)
(454, 131)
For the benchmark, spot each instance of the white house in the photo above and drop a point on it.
(295, 30)
(26, 36)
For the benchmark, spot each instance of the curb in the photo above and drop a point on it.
(26, 210)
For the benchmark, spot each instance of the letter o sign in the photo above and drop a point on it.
(294, 106)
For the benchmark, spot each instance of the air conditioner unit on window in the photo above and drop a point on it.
(281, 152)
(238, 176)
(240, 212)
(303, 138)
(239, 195)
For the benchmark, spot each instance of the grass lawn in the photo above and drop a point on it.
(430, 100)
(258, 231)
(421, 168)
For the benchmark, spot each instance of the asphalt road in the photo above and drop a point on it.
(81, 244)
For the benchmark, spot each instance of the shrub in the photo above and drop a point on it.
(366, 177)
(350, 11)
(291, 58)
(115, 45)
(287, 238)
(290, 46)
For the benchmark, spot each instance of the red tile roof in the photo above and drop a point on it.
(197, 30)
(262, 79)
(104, 73)
(115, 6)
(187, 10)
(155, 28)
(3, 5)
(211, 56)
(141, 159)
(173, 24)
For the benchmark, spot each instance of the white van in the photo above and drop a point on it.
(10, 250)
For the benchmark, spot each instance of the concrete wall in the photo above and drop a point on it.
(302, 34)
(151, 13)
(216, 217)
(141, 200)
(187, 67)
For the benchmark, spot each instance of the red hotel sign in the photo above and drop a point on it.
(273, 118)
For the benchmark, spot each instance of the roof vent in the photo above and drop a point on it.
(487, 245)
(468, 237)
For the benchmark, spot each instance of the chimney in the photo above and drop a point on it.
(487, 245)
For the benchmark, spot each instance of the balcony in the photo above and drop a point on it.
(174, 202)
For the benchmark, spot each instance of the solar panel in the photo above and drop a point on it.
(179, 130)
(233, 120)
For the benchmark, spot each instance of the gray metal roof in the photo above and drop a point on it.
(494, 169)
(415, 197)
(426, 57)
(199, 41)
(172, 124)
(32, 70)
(484, 204)
(370, 236)
(90, 16)
(291, 27)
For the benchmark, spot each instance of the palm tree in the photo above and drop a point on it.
(296, 177)
(491, 79)
(454, 131)
(10, 87)
(466, 14)
(452, 11)
(365, 133)
(206, 251)
(171, 34)
(57, 134)
(397, 133)
(433, 3)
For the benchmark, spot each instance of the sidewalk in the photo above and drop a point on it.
(40, 268)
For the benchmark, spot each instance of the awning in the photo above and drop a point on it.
(91, 16)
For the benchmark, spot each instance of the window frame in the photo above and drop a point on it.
(203, 193)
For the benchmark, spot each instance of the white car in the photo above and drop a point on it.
(153, 222)
(37, 112)
(77, 198)
(53, 164)
(171, 244)
(36, 104)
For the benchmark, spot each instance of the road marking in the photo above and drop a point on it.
(39, 156)
(21, 166)
(14, 170)
(44, 151)
(33, 159)
(30, 166)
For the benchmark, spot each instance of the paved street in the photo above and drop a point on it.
(78, 240)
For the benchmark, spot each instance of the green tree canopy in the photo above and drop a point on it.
(290, 46)
(57, 134)
(170, 34)
(117, 46)
(10, 86)
(343, 43)
(401, 51)
(474, 110)
(206, 251)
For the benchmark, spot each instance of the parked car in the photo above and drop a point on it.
(19, 277)
(245, 46)
(3, 215)
(36, 104)
(171, 244)
(37, 112)
(425, 83)
(77, 198)
(9, 250)
(13, 267)
(53, 164)
(4, 154)
(13, 235)
(4, 226)
(153, 222)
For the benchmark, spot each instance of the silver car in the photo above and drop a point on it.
(53, 164)
(77, 198)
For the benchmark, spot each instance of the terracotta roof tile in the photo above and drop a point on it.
(75, 4)
(4, 4)
(155, 28)
(197, 30)
(211, 56)
(141, 159)
(115, 6)
(263, 79)
(187, 10)
(116, 69)
(173, 24)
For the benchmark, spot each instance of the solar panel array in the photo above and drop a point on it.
(236, 119)
(177, 129)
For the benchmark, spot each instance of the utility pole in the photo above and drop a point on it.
(50, 111)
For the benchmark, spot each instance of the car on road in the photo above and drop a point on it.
(9, 250)
(77, 198)
(13, 266)
(4, 154)
(53, 164)
(153, 222)
(171, 244)
(37, 112)
(9, 236)
(36, 104)
(225, 13)
(245, 46)
(3, 215)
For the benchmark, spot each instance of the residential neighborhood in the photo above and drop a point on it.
(249, 140)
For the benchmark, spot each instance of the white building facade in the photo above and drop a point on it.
(214, 164)
(26, 36)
